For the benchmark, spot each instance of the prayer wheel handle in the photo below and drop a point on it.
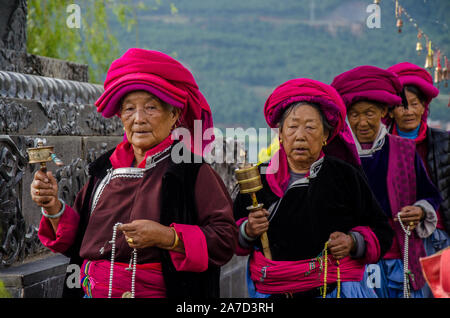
(249, 181)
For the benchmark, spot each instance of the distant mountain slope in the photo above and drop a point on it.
(239, 51)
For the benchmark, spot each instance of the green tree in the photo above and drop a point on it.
(93, 43)
(3, 292)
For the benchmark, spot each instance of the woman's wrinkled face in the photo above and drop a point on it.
(409, 119)
(365, 120)
(302, 137)
(145, 120)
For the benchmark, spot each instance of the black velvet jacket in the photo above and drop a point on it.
(438, 161)
(338, 198)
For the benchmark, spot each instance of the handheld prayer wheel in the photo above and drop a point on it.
(249, 181)
(43, 154)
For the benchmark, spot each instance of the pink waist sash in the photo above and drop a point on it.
(274, 277)
(149, 281)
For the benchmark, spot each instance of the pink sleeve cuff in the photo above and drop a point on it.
(195, 257)
(65, 234)
(372, 244)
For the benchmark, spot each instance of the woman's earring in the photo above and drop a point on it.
(324, 143)
(281, 141)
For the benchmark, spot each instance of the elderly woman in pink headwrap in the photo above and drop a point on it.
(322, 221)
(395, 173)
(142, 226)
(409, 120)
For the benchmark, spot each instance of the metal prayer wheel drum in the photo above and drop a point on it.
(249, 179)
(40, 154)
(43, 154)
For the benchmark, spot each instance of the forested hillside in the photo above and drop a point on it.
(240, 50)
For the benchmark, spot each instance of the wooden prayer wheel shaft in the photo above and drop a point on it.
(249, 181)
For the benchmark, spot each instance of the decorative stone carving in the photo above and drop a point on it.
(102, 125)
(13, 116)
(63, 119)
(13, 24)
(48, 89)
(17, 241)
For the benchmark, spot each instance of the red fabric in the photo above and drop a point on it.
(65, 234)
(163, 73)
(422, 132)
(195, 256)
(283, 276)
(123, 156)
(149, 280)
(373, 251)
(436, 269)
(299, 276)
(411, 74)
(340, 143)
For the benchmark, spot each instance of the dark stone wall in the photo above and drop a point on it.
(13, 25)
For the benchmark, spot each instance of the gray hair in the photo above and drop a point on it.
(326, 125)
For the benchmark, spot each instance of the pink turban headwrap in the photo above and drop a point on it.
(411, 74)
(368, 83)
(160, 75)
(340, 143)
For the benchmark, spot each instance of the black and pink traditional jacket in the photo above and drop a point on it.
(189, 196)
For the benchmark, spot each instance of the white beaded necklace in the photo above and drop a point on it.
(132, 266)
(406, 287)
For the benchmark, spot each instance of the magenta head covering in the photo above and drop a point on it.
(340, 143)
(368, 83)
(160, 75)
(411, 74)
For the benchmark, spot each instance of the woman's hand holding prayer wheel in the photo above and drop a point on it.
(340, 245)
(44, 192)
(146, 233)
(257, 223)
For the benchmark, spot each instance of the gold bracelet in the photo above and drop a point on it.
(176, 241)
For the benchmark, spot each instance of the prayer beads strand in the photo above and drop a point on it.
(132, 266)
(406, 287)
(113, 252)
(325, 255)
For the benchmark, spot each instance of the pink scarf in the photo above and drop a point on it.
(420, 137)
(368, 83)
(401, 187)
(411, 74)
(162, 76)
(123, 156)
